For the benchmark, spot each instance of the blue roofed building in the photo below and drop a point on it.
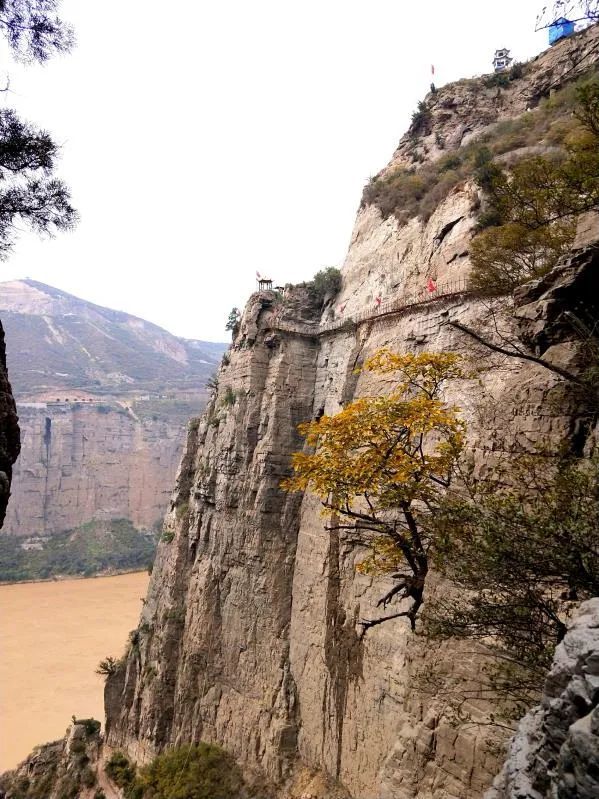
(559, 29)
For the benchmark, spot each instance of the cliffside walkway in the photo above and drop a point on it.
(398, 305)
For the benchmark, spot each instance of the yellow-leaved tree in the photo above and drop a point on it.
(381, 466)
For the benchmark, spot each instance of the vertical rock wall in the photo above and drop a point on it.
(9, 431)
(212, 656)
(84, 462)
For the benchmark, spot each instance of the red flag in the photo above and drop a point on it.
(377, 301)
(431, 285)
(432, 69)
(258, 275)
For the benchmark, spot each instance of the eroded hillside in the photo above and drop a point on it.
(59, 343)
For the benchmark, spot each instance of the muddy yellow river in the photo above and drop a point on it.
(52, 636)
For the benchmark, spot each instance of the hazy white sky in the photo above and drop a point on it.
(205, 141)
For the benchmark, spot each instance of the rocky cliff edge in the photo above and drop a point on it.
(555, 752)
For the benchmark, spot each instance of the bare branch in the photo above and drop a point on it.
(515, 353)
(384, 600)
(366, 624)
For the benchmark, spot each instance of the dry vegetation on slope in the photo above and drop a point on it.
(406, 192)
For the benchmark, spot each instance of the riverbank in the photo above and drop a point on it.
(112, 546)
(60, 577)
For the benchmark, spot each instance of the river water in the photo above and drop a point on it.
(52, 637)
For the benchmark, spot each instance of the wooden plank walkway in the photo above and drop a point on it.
(392, 307)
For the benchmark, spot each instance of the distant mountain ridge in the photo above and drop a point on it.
(58, 342)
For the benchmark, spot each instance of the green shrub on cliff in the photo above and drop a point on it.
(120, 770)
(92, 726)
(503, 79)
(420, 118)
(203, 771)
(194, 771)
(229, 397)
(522, 548)
(507, 256)
(107, 666)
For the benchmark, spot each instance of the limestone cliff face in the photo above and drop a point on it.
(226, 578)
(250, 632)
(9, 431)
(84, 462)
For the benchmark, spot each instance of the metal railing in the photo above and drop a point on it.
(296, 327)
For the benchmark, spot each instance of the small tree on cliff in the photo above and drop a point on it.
(326, 283)
(533, 207)
(233, 320)
(381, 466)
(107, 666)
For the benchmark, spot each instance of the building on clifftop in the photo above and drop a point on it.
(264, 284)
(502, 60)
(559, 29)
